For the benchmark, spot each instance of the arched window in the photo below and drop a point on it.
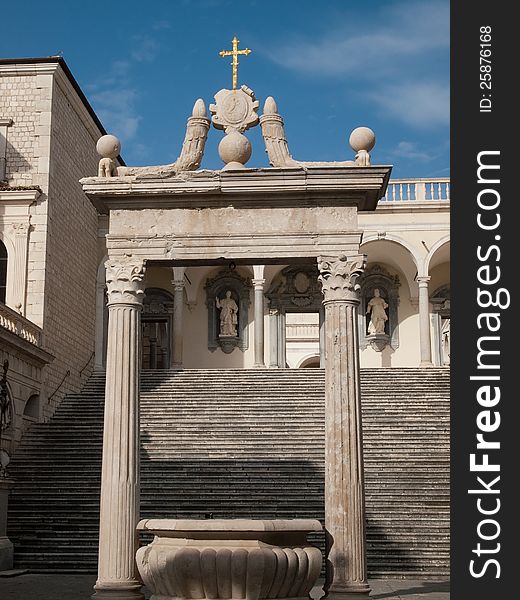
(3, 271)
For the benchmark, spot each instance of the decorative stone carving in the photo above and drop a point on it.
(235, 111)
(296, 288)
(189, 159)
(362, 140)
(229, 559)
(339, 275)
(125, 281)
(223, 332)
(374, 332)
(109, 147)
(228, 315)
(6, 407)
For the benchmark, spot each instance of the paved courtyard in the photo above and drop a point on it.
(79, 587)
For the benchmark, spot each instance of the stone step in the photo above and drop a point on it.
(243, 443)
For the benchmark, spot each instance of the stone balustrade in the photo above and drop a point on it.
(19, 325)
(303, 331)
(418, 190)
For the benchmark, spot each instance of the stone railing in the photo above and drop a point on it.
(418, 190)
(298, 331)
(19, 325)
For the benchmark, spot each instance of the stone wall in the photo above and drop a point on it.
(51, 145)
(70, 280)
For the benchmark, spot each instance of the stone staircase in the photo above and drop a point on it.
(242, 443)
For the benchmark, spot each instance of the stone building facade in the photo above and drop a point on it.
(203, 311)
(48, 231)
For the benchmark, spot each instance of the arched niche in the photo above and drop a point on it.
(157, 325)
(32, 408)
(377, 277)
(311, 362)
(295, 289)
(7, 411)
(440, 301)
(217, 287)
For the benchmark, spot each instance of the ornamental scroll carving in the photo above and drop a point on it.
(125, 281)
(339, 276)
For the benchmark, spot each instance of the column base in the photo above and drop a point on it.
(360, 591)
(123, 591)
(6, 554)
(426, 363)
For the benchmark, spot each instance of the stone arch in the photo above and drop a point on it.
(439, 252)
(32, 407)
(309, 362)
(406, 259)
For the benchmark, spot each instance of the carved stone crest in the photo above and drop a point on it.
(235, 110)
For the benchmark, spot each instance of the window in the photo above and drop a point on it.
(3, 271)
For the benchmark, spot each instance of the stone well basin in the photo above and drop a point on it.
(229, 559)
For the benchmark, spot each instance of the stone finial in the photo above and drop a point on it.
(108, 147)
(199, 109)
(270, 107)
(362, 140)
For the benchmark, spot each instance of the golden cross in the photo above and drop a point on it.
(234, 53)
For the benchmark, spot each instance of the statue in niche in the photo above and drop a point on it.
(445, 334)
(228, 315)
(378, 317)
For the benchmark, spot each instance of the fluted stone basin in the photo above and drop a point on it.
(229, 559)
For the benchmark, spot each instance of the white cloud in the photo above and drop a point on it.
(411, 151)
(403, 32)
(422, 105)
(116, 109)
(144, 48)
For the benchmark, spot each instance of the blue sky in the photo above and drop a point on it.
(330, 65)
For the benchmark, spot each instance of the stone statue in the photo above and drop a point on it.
(228, 315)
(376, 307)
(445, 334)
(5, 401)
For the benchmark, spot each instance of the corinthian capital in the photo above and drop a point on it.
(339, 275)
(125, 281)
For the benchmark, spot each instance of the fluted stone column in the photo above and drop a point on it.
(344, 480)
(178, 310)
(258, 285)
(119, 511)
(273, 338)
(424, 322)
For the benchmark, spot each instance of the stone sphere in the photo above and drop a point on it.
(235, 147)
(108, 146)
(362, 138)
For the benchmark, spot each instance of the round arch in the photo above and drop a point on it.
(395, 253)
(311, 361)
(439, 253)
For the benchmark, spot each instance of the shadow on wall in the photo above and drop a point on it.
(15, 166)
